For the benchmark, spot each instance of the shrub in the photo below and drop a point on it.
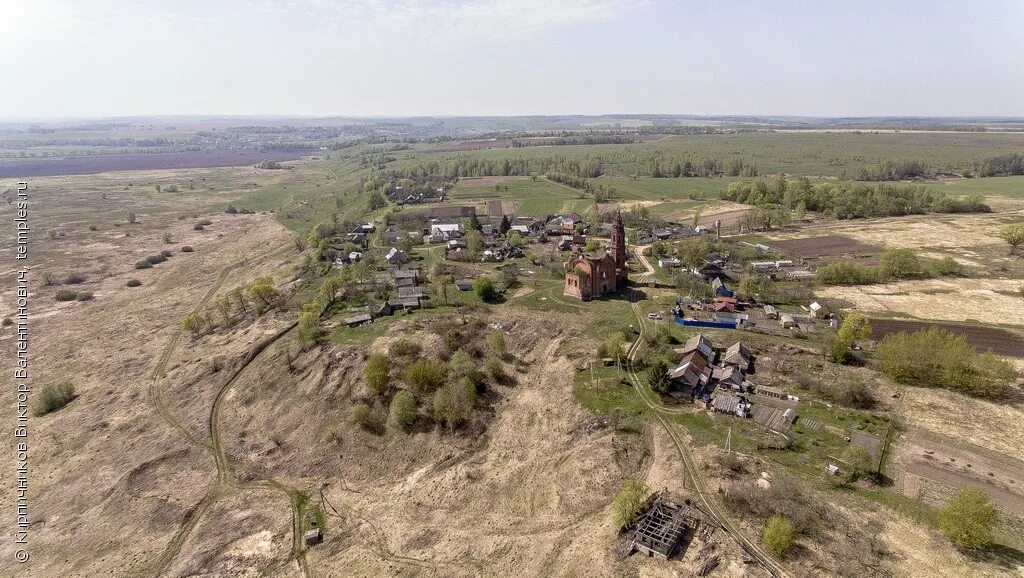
(496, 342)
(53, 397)
(84, 296)
(74, 279)
(778, 536)
(845, 273)
(937, 358)
(969, 518)
(187, 249)
(404, 348)
(402, 411)
(93, 227)
(484, 289)
(453, 340)
(166, 253)
(134, 283)
(65, 295)
(377, 372)
(171, 189)
(900, 264)
(948, 267)
(425, 375)
(629, 503)
(495, 369)
(7, 322)
(143, 265)
(361, 414)
(156, 259)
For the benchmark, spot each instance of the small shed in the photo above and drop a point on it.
(358, 320)
(770, 312)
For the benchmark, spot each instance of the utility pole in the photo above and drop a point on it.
(728, 441)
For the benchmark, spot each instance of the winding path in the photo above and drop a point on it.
(692, 479)
(226, 484)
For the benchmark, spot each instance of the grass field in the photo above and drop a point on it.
(532, 197)
(1011, 187)
(646, 188)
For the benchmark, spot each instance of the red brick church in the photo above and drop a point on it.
(590, 276)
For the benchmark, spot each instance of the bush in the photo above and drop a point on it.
(425, 375)
(74, 279)
(143, 265)
(948, 267)
(778, 536)
(495, 369)
(53, 397)
(627, 506)
(65, 295)
(484, 289)
(969, 518)
(937, 358)
(377, 372)
(166, 253)
(404, 348)
(403, 410)
(84, 296)
(134, 283)
(93, 227)
(156, 259)
(900, 264)
(187, 249)
(845, 273)
(361, 414)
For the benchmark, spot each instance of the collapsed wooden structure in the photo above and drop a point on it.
(664, 527)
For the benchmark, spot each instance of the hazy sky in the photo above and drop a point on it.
(506, 57)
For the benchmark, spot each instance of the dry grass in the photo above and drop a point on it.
(984, 300)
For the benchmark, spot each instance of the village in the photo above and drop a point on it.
(430, 254)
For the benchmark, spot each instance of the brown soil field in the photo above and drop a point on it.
(992, 301)
(995, 339)
(994, 426)
(933, 466)
(107, 468)
(827, 246)
(87, 165)
(916, 231)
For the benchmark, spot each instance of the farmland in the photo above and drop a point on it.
(530, 478)
(996, 339)
(815, 154)
(827, 246)
(527, 196)
(91, 164)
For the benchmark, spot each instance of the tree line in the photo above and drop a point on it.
(844, 200)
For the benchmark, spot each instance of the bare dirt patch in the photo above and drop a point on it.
(984, 300)
(995, 339)
(827, 246)
(991, 425)
(934, 467)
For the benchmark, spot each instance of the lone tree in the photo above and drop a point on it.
(484, 289)
(778, 536)
(968, 520)
(657, 377)
(627, 505)
(1013, 235)
(855, 328)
